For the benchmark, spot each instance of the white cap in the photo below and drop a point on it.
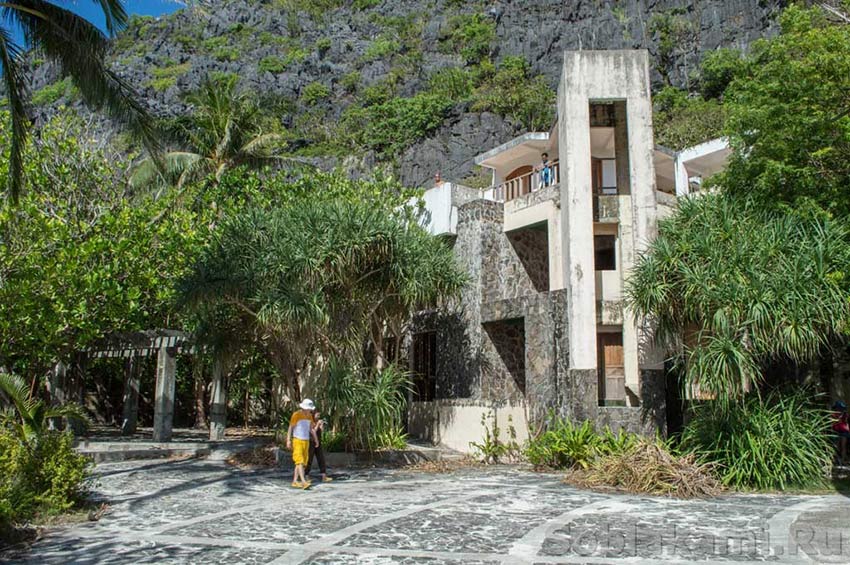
(307, 404)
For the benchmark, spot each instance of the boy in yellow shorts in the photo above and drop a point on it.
(298, 440)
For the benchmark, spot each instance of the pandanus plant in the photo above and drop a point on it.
(28, 417)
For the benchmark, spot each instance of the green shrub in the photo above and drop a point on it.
(513, 92)
(271, 64)
(470, 35)
(762, 443)
(351, 81)
(54, 92)
(295, 55)
(367, 409)
(365, 4)
(392, 126)
(314, 93)
(323, 45)
(43, 476)
(563, 445)
(452, 83)
(162, 84)
(166, 77)
(381, 48)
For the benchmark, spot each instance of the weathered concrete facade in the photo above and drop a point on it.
(542, 327)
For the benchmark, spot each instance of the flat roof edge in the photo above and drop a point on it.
(530, 136)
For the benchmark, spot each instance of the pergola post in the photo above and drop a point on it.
(131, 395)
(163, 413)
(56, 388)
(218, 402)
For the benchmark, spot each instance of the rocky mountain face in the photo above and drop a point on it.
(315, 58)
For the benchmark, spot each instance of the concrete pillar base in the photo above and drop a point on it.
(218, 403)
(163, 415)
(131, 396)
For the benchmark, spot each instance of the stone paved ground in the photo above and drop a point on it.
(200, 511)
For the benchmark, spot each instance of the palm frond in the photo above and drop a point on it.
(17, 93)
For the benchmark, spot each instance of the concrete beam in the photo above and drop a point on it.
(163, 412)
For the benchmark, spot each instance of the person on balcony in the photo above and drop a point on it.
(545, 171)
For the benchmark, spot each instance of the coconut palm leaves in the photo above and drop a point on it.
(29, 417)
(225, 130)
(316, 276)
(745, 287)
(78, 48)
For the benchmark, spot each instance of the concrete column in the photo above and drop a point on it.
(131, 395)
(163, 412)
(77, 391)
(577, 212)
(218, 402)
(56, 381)
(683, 185)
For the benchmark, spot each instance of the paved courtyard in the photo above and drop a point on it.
(197, 511)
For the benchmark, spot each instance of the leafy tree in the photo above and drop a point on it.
(226, 129)
(78, 47)
(789, 116)
(320, 275)
(718, 70)
(76, 260)
(734, 287)
(682, 121)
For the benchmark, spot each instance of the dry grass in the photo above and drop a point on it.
(444, 465)
(258, 457)
(649, 468)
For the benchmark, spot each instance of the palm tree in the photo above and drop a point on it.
(78, 47)
(226, 129)
(28, 417)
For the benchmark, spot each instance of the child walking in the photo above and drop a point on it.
(298, 440)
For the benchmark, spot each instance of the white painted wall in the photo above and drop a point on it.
(455, 424)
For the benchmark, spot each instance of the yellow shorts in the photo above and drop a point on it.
(300, 451)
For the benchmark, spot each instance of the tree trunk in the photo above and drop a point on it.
(200, 387)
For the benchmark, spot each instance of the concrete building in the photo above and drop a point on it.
(542, 326)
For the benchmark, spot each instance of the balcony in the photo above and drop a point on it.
(524, 184)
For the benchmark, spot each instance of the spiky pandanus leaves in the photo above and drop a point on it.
(29, 417)
(745, 286)
(315, 276)
(78, 47)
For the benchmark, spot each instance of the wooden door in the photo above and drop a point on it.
(612, 371)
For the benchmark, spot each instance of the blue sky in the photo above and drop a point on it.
(90, 9)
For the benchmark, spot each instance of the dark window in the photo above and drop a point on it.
(424, 366)
(605, 252)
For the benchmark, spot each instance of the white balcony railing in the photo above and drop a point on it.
(524, 184)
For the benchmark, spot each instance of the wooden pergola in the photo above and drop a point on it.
(166, 345)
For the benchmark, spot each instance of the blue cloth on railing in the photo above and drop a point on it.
(546, 175)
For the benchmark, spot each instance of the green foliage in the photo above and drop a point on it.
(718, 70)
(565, 444)
(314, 276)
(221, 48)
(43, 477)
(788, 121)
(451, 83)
(314, 93)
(323, 45)
(271, 64)
(513, 92)
(366, 409)
(770, 443)
(75, 259)
(469, 35)
(392, 126)
(54, 92)
(166, 77)
(365, 4)
(745, 285)
(682, 121)
(317, 9)
(381, 48)
(493, 449)
(351, 82)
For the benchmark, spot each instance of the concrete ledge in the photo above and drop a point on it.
(414, 454)
(111, 451)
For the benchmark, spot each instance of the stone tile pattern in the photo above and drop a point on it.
(206, 512)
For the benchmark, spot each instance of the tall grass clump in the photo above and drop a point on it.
(565, 444)
(769, 443)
